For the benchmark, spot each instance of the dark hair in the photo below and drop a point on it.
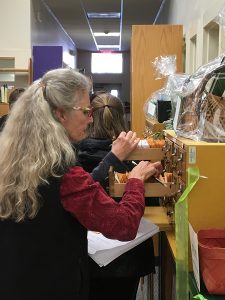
(14, 95)
(108, 116)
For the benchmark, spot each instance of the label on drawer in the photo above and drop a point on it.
(192, 155)
(143, 144)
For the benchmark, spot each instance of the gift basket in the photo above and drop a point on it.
(201, 115)
(159, 108)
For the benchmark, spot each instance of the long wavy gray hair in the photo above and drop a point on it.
(34, 145)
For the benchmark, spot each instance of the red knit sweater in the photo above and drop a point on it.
(87, 201)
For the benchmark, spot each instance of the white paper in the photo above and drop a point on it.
(143, 144)
(151, 109)
(103, 250)
(194, 252)
(177, 113)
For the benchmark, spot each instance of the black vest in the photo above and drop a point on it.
(44, 258)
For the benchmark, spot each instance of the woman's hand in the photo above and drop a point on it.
(146, 169)
(125, 144)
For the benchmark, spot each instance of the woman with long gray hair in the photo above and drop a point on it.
(47, 202)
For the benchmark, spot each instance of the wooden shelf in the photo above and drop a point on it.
(172, 242)
(7, 58)
(13, 70)
(28, 72)
(158, 216)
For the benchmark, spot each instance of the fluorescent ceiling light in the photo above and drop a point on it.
(113, 15)
(106, 34)
(108, 46)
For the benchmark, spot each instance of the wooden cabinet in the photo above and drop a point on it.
(147, 43)
(152, 188)
(200, 195)
(191, 197)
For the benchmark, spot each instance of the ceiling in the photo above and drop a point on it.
(72, 14)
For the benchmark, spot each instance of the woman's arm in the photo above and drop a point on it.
(101, 172)
(121, 148)
(95, 210)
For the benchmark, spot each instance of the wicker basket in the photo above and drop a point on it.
(202, 112)
(213, 112)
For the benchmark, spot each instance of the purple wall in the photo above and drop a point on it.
(46, 58)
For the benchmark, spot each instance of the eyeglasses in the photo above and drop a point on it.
(87, 111)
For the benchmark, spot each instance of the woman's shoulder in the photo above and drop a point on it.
(94, 143)
(75, 178)
(76, 170)
(90, 152)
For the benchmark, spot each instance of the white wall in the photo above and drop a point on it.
(15, 31)
(186, 11)
(196, 17)
(24, 23)
(46, 30)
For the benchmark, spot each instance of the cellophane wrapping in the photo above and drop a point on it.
(202, 104)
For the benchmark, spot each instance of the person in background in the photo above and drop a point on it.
(47, 201)
(109, 122)
(14, 95)
(119, 279)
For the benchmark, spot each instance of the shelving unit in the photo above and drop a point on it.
(19, 77)
(20, 71)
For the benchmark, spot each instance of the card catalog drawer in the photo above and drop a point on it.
(151, 189)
